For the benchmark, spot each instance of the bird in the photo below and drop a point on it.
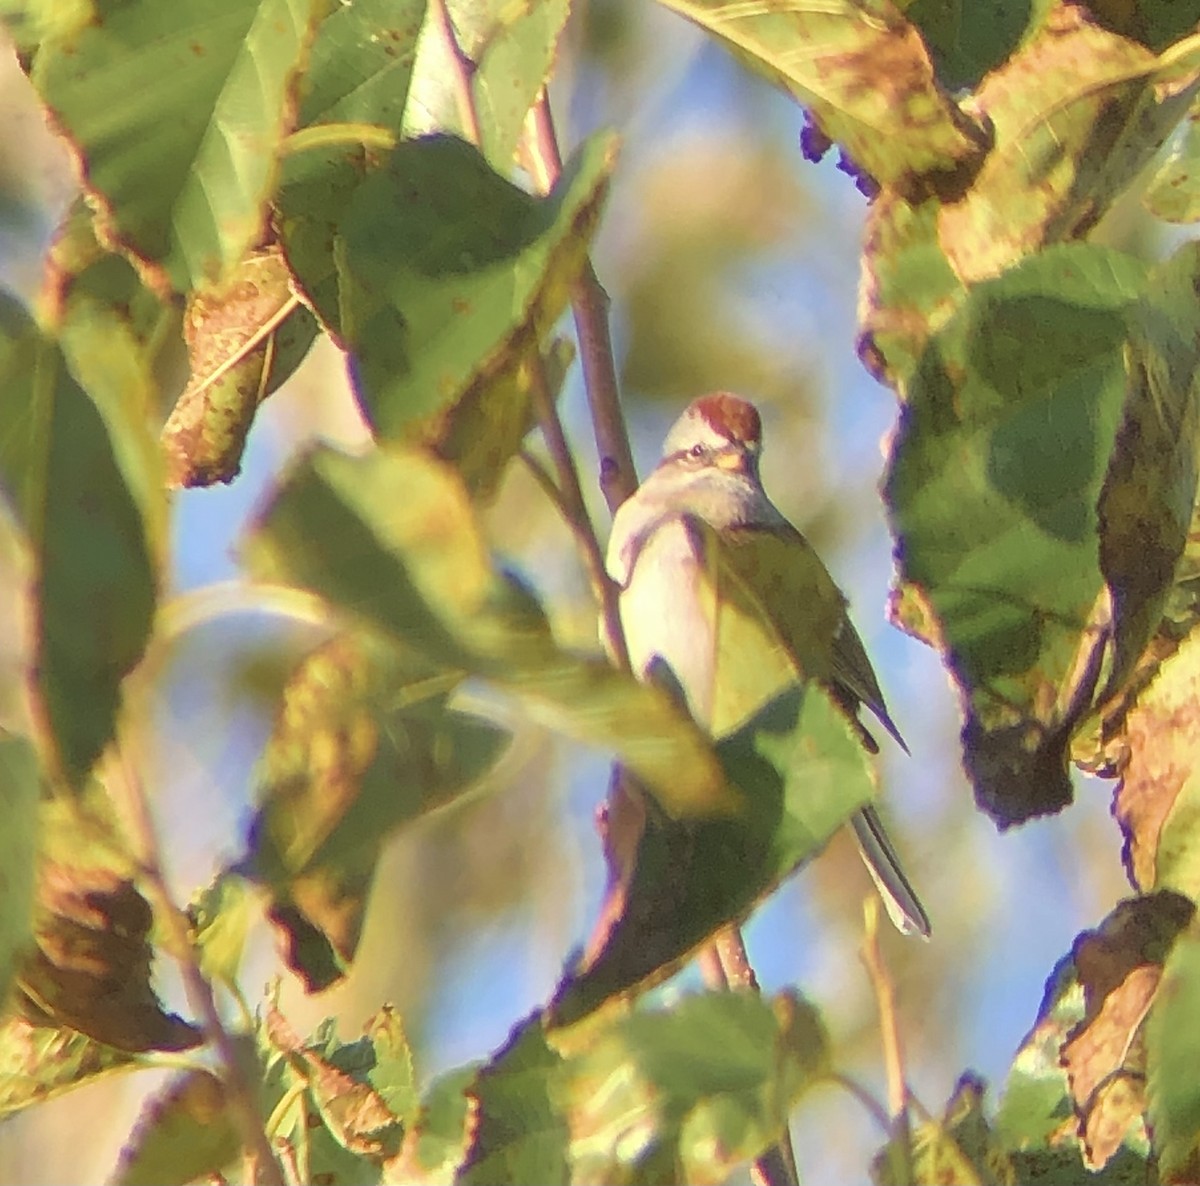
(709, 475)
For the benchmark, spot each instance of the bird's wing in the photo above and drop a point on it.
(809, 612)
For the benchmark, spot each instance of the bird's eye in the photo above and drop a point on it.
(696, 451)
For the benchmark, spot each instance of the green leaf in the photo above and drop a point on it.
(1077, 113)
(520, 1134)
(1174, 191)
(183, 1133)
(511, 48)
(957, 1147)
(95, 544)
(40, 1062)
(436, 1142)
(391, 1072)
(993, 484)
(1172, 1050)
(355, 95)
(220, 916)
(803, 772)
(392, 538)
(363, 744)
(178, 111)
(445, 270)
(908, 288)
(688, 1093)
(832, 56)
(20, 787)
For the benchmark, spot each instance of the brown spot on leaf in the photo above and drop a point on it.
(91, 966)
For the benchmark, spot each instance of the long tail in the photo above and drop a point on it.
(899, 898)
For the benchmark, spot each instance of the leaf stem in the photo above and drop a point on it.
(335, 135)
(589, 303)
(243, 1106)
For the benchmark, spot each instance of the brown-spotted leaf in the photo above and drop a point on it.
(1077, 112)
(41, 1062)
(91, 967)
(1119, 966)
(863, 71)
(906, 289)
(353, 1111)
(1158, 800)
(244, 338)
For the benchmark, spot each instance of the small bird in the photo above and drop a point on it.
(709, 472)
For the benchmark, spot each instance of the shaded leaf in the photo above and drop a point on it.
(967, 38)
(363, 744)
(1158, 800)
(39, 1062)
(1174, 191)
(392, 539)
(245, 338)
(1077, 113)
(1172, 1087)
(183, 1133)
(803, 772)
(445, 269)
(94, 543)
(1146, 504)
(686, 1094)
(177, 112)
(20, 785)
(862, 70)
(91, 966)
(993, 485)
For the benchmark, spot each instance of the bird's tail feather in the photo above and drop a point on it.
(899, 898)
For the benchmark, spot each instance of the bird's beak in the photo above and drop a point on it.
(737, 461)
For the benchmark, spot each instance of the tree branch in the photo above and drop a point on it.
(589, 302)
(243, 1104)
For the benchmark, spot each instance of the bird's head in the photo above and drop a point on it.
(716, 432)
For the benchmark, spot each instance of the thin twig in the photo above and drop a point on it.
(873, 1107)
(589, 303)
(575, 510)
(889, 1031)
(243, 1106)
(463, 74)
